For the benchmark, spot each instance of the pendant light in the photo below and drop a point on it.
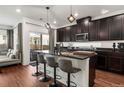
(47, 25)
(71, 18)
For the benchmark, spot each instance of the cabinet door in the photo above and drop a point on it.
(122, 27)
(73, 33)
(115, 27)
(59, 35)
(115, 64)
(103, 30)
(101, 61)
(67, 34)
(84, 26)
(93, 31)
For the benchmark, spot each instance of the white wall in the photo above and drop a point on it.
(15, 38)
(27, 28)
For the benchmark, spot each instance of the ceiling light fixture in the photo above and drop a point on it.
(71, 18)
(104, 11)
(18, 10)
(54, 21)
(47, 25)
(76, 14)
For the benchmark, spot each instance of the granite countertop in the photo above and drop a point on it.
(79, 54)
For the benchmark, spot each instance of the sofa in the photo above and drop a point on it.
(10, 58)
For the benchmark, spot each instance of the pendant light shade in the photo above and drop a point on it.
(47, 25)
(71, 18)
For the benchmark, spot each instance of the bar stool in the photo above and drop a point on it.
(52, 63)
(66, 66)
(40, 58)
(37, 73)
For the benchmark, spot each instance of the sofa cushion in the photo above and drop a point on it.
(12, 56)
(8, 60)
(2, 57)
(8, 54)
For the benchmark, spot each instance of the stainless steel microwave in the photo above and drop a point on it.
(82, 37)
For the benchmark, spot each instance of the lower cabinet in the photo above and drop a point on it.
(101, 61)
(115, 64)
(111, 61)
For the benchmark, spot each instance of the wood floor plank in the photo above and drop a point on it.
(21, 76)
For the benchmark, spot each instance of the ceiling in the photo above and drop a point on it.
(58, 13)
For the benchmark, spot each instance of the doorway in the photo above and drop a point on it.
(38, 41)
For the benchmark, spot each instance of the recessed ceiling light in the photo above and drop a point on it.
(104, 11)
(54, 22)
(76, 14)
(18, 10)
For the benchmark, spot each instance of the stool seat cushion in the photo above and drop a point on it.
(40, 58)
(51, 61)
(66, 66)
(75, 70)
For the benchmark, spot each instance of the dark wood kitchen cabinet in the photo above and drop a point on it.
(110, 61)
(106, 29)
(63, 34)
(115, 63)
(115, 27)
(83, 25)
(93, 31)
(122, 27)
(60, 35)
(73, 30)
(101, 61)
(103, 33)
(67, 34)
(92, 66)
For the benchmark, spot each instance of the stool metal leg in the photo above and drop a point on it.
(37, 73)
(45, 78)
(68, 79)
(54, 84)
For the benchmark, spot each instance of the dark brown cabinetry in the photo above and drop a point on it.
(101, 61)
(122, 27)
(111, 61)
(93, 30)
(111, 28)
(115, 27)
(73, 30)
(67, 34)
(60, 35)
(83, 25)
(115, 64)
(92, 66)
(103, 33)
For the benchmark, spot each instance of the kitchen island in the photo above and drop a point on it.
(83, 60)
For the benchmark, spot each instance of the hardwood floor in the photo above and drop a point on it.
(21, 76)
(108, 79)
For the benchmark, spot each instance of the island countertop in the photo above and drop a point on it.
(81, 55)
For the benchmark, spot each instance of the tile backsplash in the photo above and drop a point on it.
(101, 44)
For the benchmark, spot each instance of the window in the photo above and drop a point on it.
(3, 39)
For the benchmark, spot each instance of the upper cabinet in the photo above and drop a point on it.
(110, 28)
(115, 27)
(103, 33)
(93, 30)
(83, 25)
(73, 32)
(60, 35)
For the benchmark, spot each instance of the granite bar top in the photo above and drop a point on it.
(80, 55)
